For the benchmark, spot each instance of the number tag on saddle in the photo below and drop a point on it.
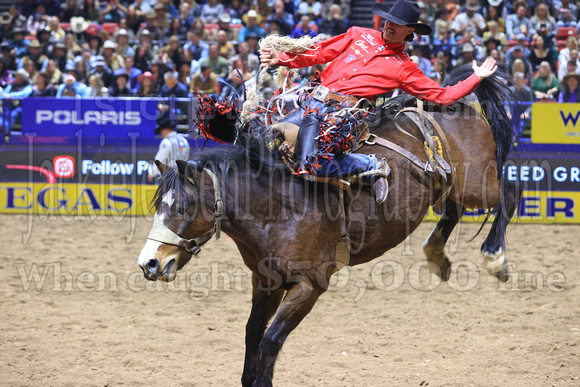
(320, 93)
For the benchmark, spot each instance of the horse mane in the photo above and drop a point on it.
(251, 149)
(492, 94)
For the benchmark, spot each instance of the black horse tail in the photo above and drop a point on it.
(494, 96)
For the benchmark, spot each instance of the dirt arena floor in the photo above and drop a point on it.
(76, 311)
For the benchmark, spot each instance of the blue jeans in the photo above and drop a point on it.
(345, 164)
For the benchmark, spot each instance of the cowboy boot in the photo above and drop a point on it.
(381, 185)
(306, 143)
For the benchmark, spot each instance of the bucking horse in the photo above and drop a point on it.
(290, 231)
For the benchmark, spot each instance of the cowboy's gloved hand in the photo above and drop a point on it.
(486, 69)
(269, 57)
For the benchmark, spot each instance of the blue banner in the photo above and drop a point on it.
(100, 118)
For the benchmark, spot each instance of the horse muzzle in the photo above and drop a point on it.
(153, 271)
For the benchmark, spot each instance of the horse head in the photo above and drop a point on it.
(188, 213)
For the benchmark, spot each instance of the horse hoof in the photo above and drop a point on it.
(503, 274)
(442, 271)
(494, 262)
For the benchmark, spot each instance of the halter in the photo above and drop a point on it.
(160, 233)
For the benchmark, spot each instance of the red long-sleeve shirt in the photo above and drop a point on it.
(363, 65)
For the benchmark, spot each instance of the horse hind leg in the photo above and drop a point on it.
(493, 248)
(434, 245)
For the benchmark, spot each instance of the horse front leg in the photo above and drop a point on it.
(434, 245)
(264, 305)
(493, 248)
(297, 303)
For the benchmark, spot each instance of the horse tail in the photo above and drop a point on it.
(493, 95)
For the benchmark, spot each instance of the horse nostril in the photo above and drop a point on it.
(152, 264)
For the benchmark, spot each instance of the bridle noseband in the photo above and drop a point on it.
(160, 233)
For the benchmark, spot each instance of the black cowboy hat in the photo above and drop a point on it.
(403, 13)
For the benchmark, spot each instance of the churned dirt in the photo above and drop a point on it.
(76, 311)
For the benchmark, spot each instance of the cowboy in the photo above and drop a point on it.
(174, 146)
(40, 60)
(366, 63)
(18, 90)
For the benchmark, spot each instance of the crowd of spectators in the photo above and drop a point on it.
(88, 48)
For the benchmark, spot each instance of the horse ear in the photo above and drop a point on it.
(181, 168)
(162, 167)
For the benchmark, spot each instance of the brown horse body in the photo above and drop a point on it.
(287, 229)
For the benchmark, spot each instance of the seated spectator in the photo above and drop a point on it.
(177, 29)
(70, 9)
(495, 33)
(18, 43)
(123, 48)
(224, 25)
(95, 42)
(111, 13)
(146, 85)
(8, 57)
(570, 92)
(172, 88)
(112, 60)
(43, 86)
(72, 47)
(310, 8)
(518, 23)
(438, 74)
(54, 72)
(490, 45)
(204, 33)
(186, 14)
(263, 10)
(56, 32)
(91, 10)
(566, 6)
(142, 58)
(543, 22)
(174, 51)
(545, 84)
(303, 28)
(567, 19)
(204, 82)
(252, 27)
(542, 53)
(141, 7)
(218, 64)
(237, 9)
(525, 97)
(252, 41)
(79, 27)
(226, 49)
(198, 48)
(96, 87)
(573, 66)
(211, 11)
(18, 20)
(335, 24)
(283, 19)
(156, 33)
(31, 70)
(469, 20)
(564, 54)
(132, 73)
(423, 63)
(70, 87)
(517, 53)
(467, 54)
(131, 35)
(233, 87)
(39, 60)
(250, 60)
(158, 70)
(161, 16)
(19, 89)
(121, 86)
(5, 25)
(493, 16)
(38, 20)
(101, 69)
(443, 19)
(5, 74)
